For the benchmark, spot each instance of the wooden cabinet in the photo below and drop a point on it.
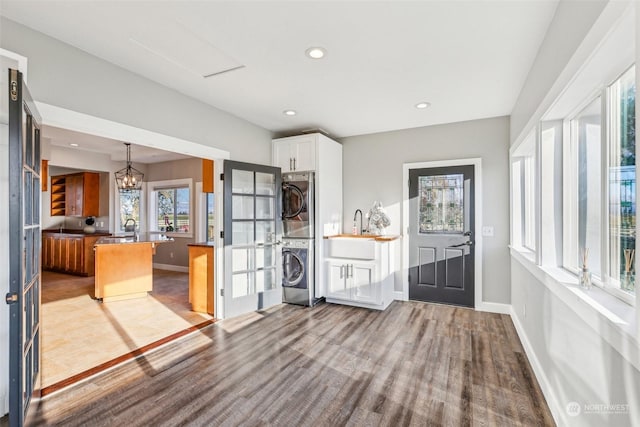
(75, 194)
(201, 289)
(208, 174)
(68, 253)
(295, 154)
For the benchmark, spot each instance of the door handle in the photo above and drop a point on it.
(467, 233)
(294, 163)
(290, 163)
(467, 243)
(350, 270)
(342, 271)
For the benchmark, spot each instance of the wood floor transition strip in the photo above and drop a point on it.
(125, 357)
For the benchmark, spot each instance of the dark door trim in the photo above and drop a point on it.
(406, 168)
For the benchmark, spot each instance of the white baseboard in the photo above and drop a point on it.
(558, 411)
(399, 296)
(494, 307)
(171, 267)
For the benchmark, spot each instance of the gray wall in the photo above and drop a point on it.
(179, 169)
(373, 171)
(572, 20)
(64, 76)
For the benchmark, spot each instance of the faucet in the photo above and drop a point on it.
(128, 227)
(355, 215)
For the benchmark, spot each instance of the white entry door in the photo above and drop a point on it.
(252, 237)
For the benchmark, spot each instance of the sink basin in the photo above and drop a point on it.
(348, 246)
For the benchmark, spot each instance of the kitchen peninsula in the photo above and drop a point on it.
(124, 266)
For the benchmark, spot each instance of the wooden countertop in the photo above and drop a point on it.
(203, 244)
(383, 238)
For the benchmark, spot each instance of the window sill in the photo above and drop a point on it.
(613, 319)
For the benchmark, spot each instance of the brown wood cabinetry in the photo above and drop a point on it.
(75, 194)
(208, 173)
(68, 253)
(201, 289)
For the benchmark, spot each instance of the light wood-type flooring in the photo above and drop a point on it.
(413, 364)
(79, 333)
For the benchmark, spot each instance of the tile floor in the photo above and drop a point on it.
(79, 333)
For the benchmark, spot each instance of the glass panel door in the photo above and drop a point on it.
(252, 237)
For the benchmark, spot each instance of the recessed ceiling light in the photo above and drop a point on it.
(423, 105)
(289, 112)
(73, 144)
(316, 52)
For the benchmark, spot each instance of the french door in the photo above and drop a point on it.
(252, 237)
(441, 230)
(24, 248)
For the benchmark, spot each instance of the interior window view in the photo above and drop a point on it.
(319, 213)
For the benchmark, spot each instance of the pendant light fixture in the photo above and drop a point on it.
(129, 178)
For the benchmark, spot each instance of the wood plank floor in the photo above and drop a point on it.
(413, 364)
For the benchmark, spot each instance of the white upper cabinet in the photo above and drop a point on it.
(295, 154)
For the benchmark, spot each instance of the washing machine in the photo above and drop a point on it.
(297, 272)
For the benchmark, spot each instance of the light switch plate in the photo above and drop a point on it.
(487, 231)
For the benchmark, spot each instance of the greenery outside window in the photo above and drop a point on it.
(170, 207)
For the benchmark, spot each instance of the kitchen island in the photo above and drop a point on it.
(124, 265)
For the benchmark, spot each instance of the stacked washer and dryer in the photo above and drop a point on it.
(311, 166)
(298, 238)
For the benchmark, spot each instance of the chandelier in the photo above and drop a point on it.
(129, 178)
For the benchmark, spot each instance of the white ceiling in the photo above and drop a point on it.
(115, 149)
(469, 59)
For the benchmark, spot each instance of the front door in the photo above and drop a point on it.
(24, 248)
(441, 230)
(252, 235)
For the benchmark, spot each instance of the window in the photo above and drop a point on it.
(441, 203)
(523, 186)
(600, 199)
(622, 182)
(170, 207)
(129, 202)
(210, 221)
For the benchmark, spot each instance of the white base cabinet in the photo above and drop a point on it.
(360, 282)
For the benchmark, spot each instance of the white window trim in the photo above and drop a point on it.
(152, 219)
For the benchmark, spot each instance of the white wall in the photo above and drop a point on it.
(572, 20)
(373, 171)
(64, 76)
(575, 360)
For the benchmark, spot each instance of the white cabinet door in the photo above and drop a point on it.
(282, 156)
(337, 280)
(364, 287)
(304, 154)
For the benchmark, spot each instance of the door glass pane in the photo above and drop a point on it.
(241, 285)
(242, 207)
(242, 182)
(265, 280)
(622, 183)
(441, 203)
(265, 257)
(589, 133)
(242, 233)
(265, 231)
(265, 207)
(265, 184)
(241, 258)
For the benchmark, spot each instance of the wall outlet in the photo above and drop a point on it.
(170, 254)
(79, 223)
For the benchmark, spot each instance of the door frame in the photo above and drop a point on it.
(477, 188)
